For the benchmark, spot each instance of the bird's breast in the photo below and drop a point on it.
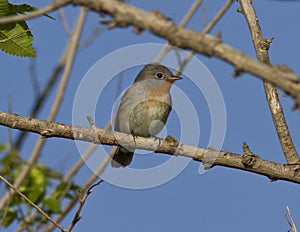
(149, 117)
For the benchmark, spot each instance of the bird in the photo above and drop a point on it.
(144, 108)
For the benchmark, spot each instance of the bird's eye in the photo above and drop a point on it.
(159, 75)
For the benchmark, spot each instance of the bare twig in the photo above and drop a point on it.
(261, 46)
(80, 162)
(44, 94)
(204, 14)
(82, 200)
(75, 169)
(90, 38)
(71, 173)
(64, 21)
(218, 16)
(92, 178)
(34, 79)
(183, 22)
(290, 220)
(206, 29)
(32, 204)
(51, 7)
(56, 104)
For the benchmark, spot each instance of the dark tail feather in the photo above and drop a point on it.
(121, 158)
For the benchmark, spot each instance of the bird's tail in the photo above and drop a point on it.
(121, 158)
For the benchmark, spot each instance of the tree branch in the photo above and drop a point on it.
(125, 15)
(261, 46)
(246, 161)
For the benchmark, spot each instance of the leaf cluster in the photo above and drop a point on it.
(16, 38)
(36, 187)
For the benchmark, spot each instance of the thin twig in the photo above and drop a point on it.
(76, 168)
(183, 22)
(261, 46)
(51, 7)
(72, 172)
(92, 178)
(34, 79)
(66, 179)
(90, 38)
(32, 204)
(290, 220)
(82, 200)
(206, 29)
(43, 96)
(204, 15)
(64, 21)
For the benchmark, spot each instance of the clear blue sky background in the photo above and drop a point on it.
(222, 199)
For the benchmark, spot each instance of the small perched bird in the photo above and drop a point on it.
(144, 108)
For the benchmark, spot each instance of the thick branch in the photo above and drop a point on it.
(247, 161)
(261, 46)
(125, 15)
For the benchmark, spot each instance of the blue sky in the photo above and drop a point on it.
(222, 199)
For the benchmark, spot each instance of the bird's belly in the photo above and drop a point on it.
(148, 117)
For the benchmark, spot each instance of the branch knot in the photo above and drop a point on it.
(248, 158)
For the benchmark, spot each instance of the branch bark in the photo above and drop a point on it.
(246, 161)
(261, 46)
(125, 15)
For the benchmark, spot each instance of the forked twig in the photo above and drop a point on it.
(82, 201)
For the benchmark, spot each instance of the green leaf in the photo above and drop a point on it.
(10, 216)
(53, 204)
(35, 185)
(8, 163)
(62, 187)
(3, 147)
(16, 38)
(4, 8)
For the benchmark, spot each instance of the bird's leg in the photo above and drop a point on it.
(134, 143)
